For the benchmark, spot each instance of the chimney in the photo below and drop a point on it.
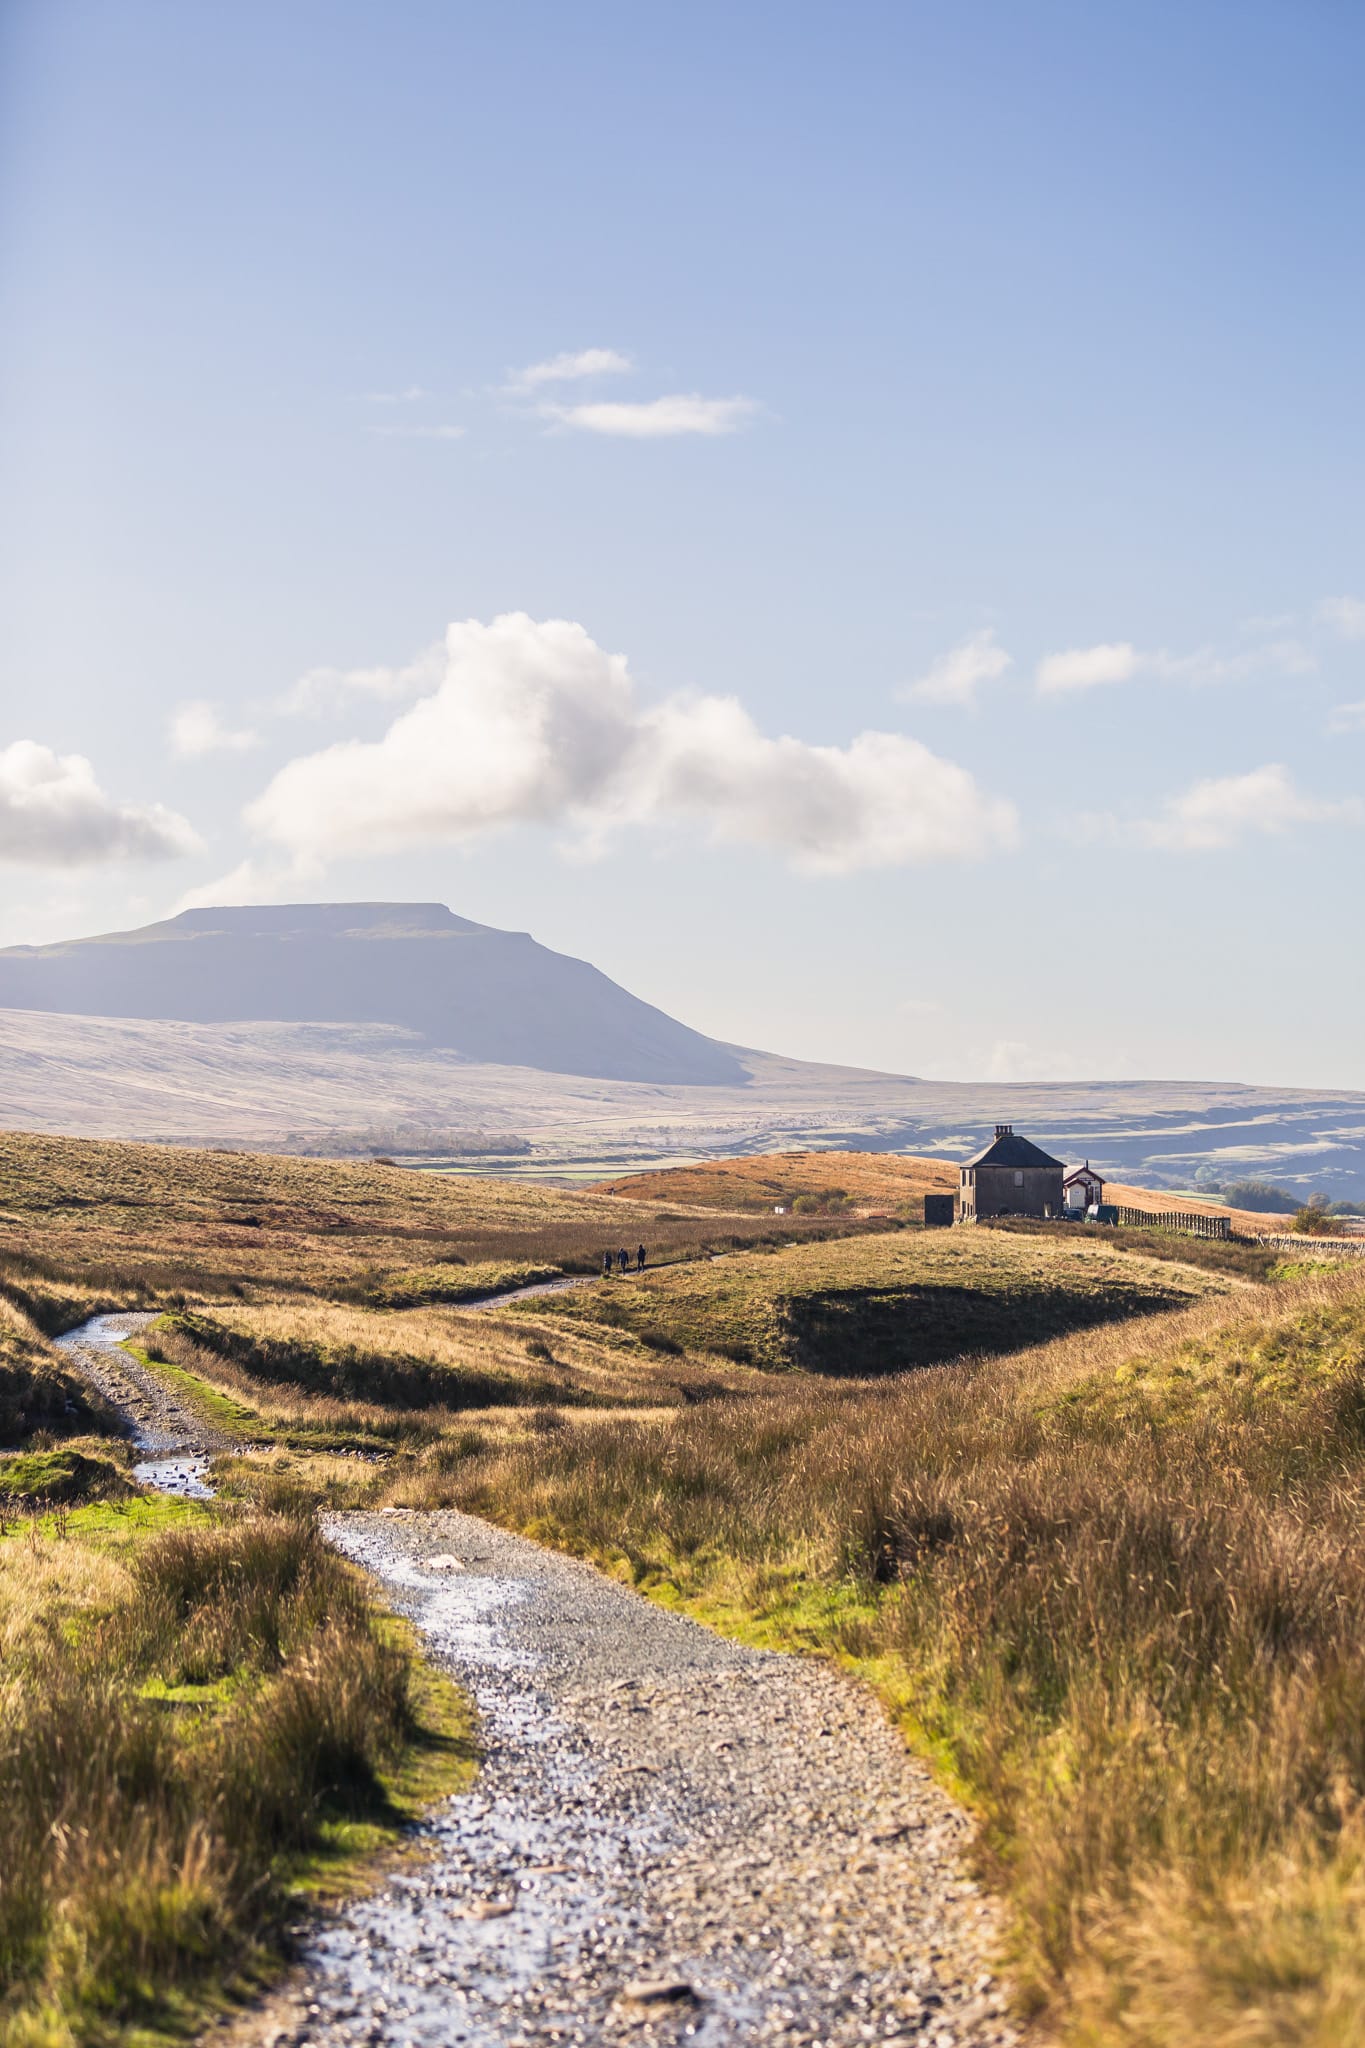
(1004, 1130)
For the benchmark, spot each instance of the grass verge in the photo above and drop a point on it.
(201, 1716)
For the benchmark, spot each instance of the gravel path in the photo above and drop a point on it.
(671, 1838)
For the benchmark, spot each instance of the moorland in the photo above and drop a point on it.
(1082, 1505)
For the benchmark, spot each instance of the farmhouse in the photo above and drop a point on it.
(1082, 1187)
(1012, 1177)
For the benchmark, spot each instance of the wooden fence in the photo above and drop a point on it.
(1187, 1220)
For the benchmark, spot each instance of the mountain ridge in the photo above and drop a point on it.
(488, 995)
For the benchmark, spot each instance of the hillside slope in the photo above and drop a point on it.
(462, 987)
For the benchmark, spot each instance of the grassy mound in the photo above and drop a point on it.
(867, 1306)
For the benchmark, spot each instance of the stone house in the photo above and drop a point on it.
(1011, 1177)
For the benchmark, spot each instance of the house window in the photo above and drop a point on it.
(1018, 1180)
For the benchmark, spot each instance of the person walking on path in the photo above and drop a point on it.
(640, 1260)
(608, 1265)
(624, 1257)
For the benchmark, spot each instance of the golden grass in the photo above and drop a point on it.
(880, 1182)
(1246, 1222)
(436, 1360)
(1116, 1584)
(892, 1184)
(116, 1224)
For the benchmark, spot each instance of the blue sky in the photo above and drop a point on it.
(982, 378)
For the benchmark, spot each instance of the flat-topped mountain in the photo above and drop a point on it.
(467, 988)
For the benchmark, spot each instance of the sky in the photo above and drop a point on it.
(849, 517)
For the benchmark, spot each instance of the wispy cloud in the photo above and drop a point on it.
(530, 722)
(1118, 661)
(323, 690)
(1348, 717)
(1344, 615)
(655, 419)
(571, 366)
(408, 397)
(953, 678)
(53, 813)
(197, 728)
(1086, 668)
(1223, 811)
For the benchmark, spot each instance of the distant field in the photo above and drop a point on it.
(1249, 1222)
(892, 1183)
(136, 1222)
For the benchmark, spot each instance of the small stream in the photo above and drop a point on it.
(176, 1460)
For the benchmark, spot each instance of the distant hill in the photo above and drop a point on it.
(487, 995)
(348, 1028)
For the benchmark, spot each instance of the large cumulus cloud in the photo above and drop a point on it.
(532, 722)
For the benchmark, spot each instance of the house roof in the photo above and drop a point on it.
(1005, 1149)
(1086, 1172)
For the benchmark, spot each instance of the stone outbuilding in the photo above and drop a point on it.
(1011, 1177)
(1082, 1188)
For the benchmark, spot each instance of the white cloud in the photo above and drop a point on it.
(1345, 616)
(197, 729)
(655, 418)
(1348, 717)
(1083, 668)
(53, 813)
(407, 397)
(1221, 811)
(532, 722)
(953, 678)
(570, 367)
(323, 690)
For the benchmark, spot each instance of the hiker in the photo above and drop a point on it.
(640, 1260)
(624, 1256)
(608, 1265)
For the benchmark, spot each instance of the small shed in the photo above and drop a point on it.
(1081, 1189)
(1011, 1177)
(938, 1212)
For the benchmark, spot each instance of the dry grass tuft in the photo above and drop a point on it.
(178, 1719)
